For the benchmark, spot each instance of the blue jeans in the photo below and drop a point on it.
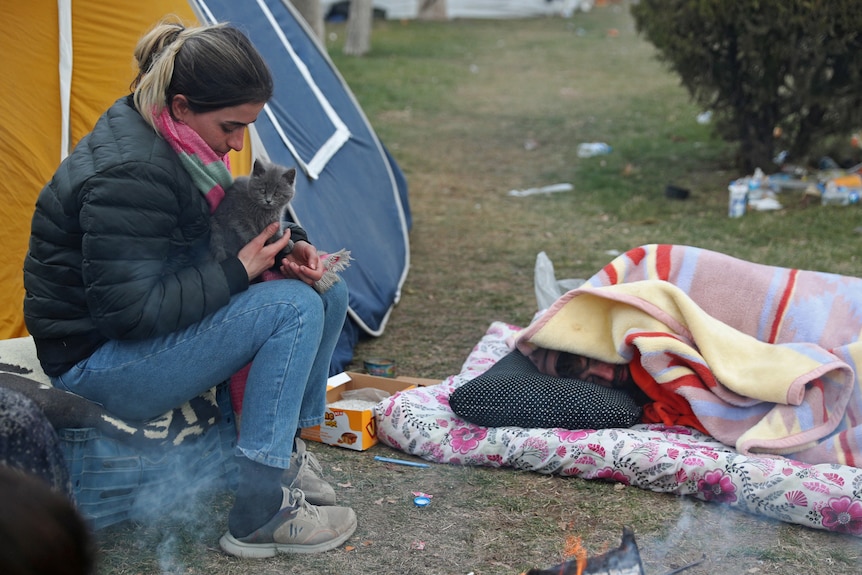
(285, 328)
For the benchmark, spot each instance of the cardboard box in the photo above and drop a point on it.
(349, 428)
(419, 381)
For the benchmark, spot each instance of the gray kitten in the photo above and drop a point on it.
(249, 205)
(252, 203)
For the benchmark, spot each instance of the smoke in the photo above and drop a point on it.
(169, 562)
(187, 509)
(680, 531)
(715, 534)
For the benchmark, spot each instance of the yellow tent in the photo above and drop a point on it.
(64, 63)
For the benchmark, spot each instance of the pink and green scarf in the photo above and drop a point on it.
(210, 173)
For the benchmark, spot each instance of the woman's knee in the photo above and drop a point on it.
(335, 299)
(290, 299)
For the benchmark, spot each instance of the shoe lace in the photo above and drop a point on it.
(297, 500)
(307, 458)
(312, 461)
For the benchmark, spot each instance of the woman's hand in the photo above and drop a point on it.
(303, 263)
(257, 256)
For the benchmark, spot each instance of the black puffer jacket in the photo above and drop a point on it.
(119, 244)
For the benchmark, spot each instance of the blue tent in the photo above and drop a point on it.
(353, 195)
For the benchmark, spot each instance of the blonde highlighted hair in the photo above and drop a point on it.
(213, 66)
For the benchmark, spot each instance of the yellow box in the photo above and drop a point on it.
(349, 428)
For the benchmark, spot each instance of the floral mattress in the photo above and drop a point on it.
(669, 459)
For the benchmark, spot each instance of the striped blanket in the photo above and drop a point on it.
(761, 358)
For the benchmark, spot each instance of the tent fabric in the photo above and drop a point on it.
(74, 58)
(353, 195)
(96, 40)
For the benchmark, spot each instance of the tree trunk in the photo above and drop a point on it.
(432, 10)
(313, 15)
(358, 41)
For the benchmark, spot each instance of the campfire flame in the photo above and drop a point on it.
(575, 549)
(625, 560)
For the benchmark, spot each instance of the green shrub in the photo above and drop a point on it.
(778, 75)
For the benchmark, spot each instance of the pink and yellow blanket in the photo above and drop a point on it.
(761, 358)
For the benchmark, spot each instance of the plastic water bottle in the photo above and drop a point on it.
(755, 185)
(834, 195)
(738, 198)
(590, 149)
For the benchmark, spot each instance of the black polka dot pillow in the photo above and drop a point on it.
(513, 392)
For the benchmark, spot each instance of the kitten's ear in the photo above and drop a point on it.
(290, 175)
(259, 168)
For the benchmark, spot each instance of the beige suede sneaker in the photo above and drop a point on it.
(317, 491)
(298, 527)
